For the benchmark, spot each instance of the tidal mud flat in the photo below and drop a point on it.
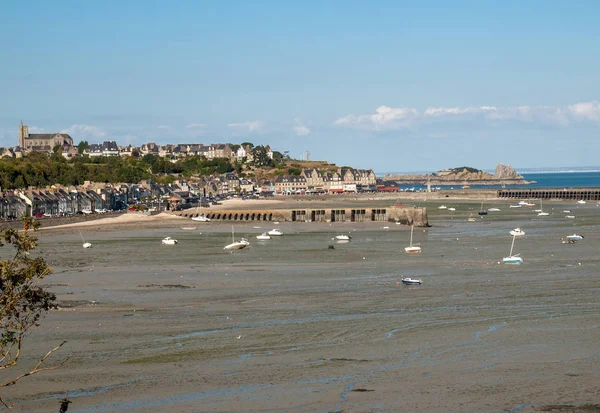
(290, 325)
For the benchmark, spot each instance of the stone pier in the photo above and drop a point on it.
(404, 215)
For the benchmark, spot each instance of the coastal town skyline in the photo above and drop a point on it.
(385, 87)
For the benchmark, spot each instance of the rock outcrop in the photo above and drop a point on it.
(504, 175)
(506, 172)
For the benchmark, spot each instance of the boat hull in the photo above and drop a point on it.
(409, 281)
(412, 250)
(512, 260)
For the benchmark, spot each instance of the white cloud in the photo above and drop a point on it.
(195, 126)
(252, 126)
(300, 129)
(586, 110)
(459, 111)
(35, 129)
(78, 132)
(384, 117)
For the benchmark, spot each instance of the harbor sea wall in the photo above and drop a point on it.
(402, 214)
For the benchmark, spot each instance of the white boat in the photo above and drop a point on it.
(343, 237)
(85, 244)
(169, 241)
(451, 209)
(201, 218)
(411, 249)
(263, 236)
(236, 245)
(526, 203)
(581, 201)
(575, 237)
(442, 207)
(493, 210)
(567, 211)
(541, 212)
(516, 206)
(275, 232)
(570, 216)
(410, 281)
(517, 232)
(472, 219)
(188, 227)
(512, 259)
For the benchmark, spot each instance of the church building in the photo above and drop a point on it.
(42, 142)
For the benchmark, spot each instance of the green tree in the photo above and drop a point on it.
(83, 145)
(23, 303)
(261, 158)
(250, 144)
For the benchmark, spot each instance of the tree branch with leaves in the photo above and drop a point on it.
(22, 302)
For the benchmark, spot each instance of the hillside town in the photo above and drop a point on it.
(95, 197)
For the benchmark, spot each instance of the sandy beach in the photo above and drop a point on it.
(290, 325)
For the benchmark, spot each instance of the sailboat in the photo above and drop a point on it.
(542, 213)
(85, 244)
(411, 248)
(236, 245)
(481, 211)
(512, 259)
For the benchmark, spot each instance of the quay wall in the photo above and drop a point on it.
(404, 215)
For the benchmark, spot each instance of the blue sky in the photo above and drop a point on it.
(393, 86)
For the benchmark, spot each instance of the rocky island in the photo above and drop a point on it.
(503, 175)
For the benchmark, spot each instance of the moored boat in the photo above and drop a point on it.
(263, 236)
(169, 241)
(411, 281)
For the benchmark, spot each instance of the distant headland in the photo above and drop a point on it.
(464, 175)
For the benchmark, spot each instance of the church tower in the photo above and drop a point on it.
(23, 134)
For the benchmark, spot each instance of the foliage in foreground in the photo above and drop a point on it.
(22, 302)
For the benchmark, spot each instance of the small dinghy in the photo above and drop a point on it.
(410, 281)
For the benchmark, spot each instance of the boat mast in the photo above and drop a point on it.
(512, 245)
(412, 227)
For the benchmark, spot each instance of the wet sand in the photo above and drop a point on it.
(289, 325)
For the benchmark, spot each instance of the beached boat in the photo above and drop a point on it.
(442, 207)
(570, 216)
(512, 259)
(201, 218)
(481, 211)
(411, 249)
(541, 212)
(410, 281)
(567, 211)
(526, 203)
(275, 232)
(517, 232)
(169, 241)
(575, 237)
(236, 245)
(451, 209)
(515, 206)
(581, 201)
(85, 244)
(472, 219)
(263, 236)
(188, 227)
(343, 237)
(493, 210)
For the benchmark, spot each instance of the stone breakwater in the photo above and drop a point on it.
(404, 215)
